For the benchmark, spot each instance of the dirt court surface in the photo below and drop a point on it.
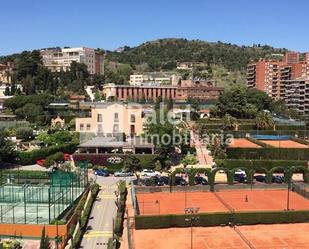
(285, 144)
(243, 143)
(280, 236)
(223, 201)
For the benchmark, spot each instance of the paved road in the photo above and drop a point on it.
(100, 225)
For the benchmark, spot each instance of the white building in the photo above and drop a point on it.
(57, 59)
(148, 79)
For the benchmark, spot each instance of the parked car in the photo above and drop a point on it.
(164, 180)
(199, 180)
(40, 162)
(180, 181)
(240, 172)
(101, 172)
(149, 173)
(260, 178)
(123, 173)
(241, 178)
(277, 179)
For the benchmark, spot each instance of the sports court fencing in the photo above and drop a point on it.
(301, 189)
(40, 203)
(224, 203)
(134, 199)
(149, 207)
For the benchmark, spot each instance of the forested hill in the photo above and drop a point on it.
(163, 54)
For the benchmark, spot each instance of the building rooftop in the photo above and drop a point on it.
(113, 142)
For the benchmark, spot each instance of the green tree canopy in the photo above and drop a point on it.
(7, 150)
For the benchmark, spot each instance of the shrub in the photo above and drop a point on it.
(50, 160)
(24, 133)
(146, 160)
(258, 164)
(30, 157)
(216, 219)
(269, 153)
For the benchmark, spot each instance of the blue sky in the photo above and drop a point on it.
(109, 24)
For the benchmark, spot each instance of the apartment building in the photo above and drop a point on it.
(291, 57)
(267, 75)
(57, 59)
(149, 79)
(295, 93)
(112, 118)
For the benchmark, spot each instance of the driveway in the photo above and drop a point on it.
(100, 225)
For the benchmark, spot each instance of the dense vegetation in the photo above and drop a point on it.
(163, 54)
(241, 102)
(214, 60)
(35, 78)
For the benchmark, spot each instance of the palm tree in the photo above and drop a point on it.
(229, 122)
(264, 120)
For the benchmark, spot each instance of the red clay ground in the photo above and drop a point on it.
(243, 143)
(285, 144)
(263, 200)
(260, 236)
(174, 203)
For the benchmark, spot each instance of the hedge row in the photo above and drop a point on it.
(269, 153)
(217, 219)
(243, 133)
(30, 157)
(50, 160)
(118, 229)
(85, 217)
(146, 160)
(21, 176)
(249, 125)
(258, 164)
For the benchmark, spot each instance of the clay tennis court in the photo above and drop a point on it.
(258, 236)
(223, 201)
(285, 144)
(243, 143)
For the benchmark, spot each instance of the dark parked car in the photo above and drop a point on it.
(241, 178)
(101, 172)
(180, 181)
(199, 180)
(162, 180)
(277, 179)
(260, 178)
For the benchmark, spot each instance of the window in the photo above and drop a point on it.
(88, 127)
(81, 127)
(116, 128)
(132, 129)
(116, 117)
(132, 118)
(99, 117)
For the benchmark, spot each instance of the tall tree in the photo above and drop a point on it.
(7, 150)
(264, 120)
